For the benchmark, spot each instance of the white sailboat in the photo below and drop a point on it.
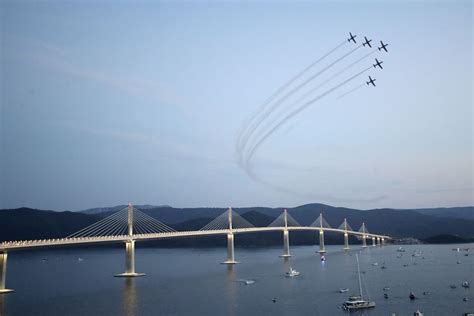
(357, 302)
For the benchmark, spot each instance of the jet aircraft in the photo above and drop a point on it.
(371, 81)
(367, 42)
(384, 47)
(378, 63)
(352, 38)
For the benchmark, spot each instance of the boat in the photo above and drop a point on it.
(248, 282)
(453, 286)
(417, 313)
(323, 258)
(400, 249)
(412, 296)
(385, 295)
(343, 290)
(292, 273)
(386, 288)
(80, 259)
(466, 284)
(356, 302)
(375, 264)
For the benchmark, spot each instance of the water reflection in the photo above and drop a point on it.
(130, 297)
(2, 303)
(231, 290)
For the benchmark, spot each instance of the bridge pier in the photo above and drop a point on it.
(378, 241)
(346, 241)
(130, 261)
(373, 242)
(230, 250)
(3, 273)
(364, 241)
(321, 242)
(286, 244)
(383, 241)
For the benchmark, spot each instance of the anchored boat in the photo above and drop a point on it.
(357, 302)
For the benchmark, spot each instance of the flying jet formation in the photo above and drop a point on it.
(367, 42)
(352, 38)
(378, 63)
(371, 81)
(384, 47)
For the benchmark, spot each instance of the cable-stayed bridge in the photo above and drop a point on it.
(130, 225)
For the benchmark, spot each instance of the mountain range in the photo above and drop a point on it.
(26, 223)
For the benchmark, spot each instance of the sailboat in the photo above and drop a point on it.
(357, 302)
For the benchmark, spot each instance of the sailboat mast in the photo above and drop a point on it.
(358, 273)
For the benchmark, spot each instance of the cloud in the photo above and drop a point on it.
(58, 59)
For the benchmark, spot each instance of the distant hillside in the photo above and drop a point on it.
(27, 223)
(466, 212)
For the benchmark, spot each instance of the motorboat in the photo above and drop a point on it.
(248, 282)
(412, 296)
(343, 290)
(453, 286)
(417, 313)
(386, 288)
(375, 264)
(466, 284)
(400, 249)
(356, 302)
(385, 295)
(292, 273)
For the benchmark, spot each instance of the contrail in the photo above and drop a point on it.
(298, 110)
(352, 90)
(243, 139)
(283, 87)
(269, 124)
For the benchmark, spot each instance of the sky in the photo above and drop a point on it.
(104, 103)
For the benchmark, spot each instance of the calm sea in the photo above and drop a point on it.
(192, 282)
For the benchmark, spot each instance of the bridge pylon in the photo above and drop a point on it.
(3, 273)
(346, 235)
(230, 241)
(373, 242)
(130, 249)
(286, 236)
(363, 230)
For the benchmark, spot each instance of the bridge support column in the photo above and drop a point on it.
(321, 242)
(383, 241)
(364, 241)
(286, 244)
(378, 241)
(3, 273)
(346, 241)
(230, 250)
(373, 241)
(130, 261)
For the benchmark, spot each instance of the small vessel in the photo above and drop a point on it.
(386, 288)
(400, 249)
(385, 295)
(405, 265)
(416, 254)
(375, 264)
(292, 273)
(343, 290)
(453, 286)
(458, 262)
(274, 300)
(465, 299)
(412, 296)
(248, 282)
(383, 267)
(80, 259)
(417, 313)
(426, 293)
(466, 284)
(356, 302)
(323, 258)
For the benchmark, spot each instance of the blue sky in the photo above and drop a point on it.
(105, 102)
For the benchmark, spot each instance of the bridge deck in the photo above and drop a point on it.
(26, 244)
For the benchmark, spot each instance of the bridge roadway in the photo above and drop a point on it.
(27, 244)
